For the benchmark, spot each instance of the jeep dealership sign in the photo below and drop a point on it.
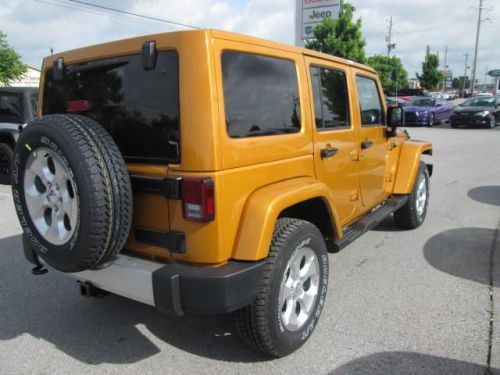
(309, 13)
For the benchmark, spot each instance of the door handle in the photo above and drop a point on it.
(328, 152)
(366, 144)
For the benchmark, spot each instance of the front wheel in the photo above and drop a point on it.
(292, 293)
(492, 122)
(432, 120)
(413, 213)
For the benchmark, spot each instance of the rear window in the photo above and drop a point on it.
(260, 94)
(11, 107)
(140, 108)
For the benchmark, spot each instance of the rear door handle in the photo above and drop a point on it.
(328, 152)
(366, 144)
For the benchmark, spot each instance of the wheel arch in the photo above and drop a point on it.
(409, 163)
(291, 198)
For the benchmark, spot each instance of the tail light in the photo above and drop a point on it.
(77, 106)
(197, 196)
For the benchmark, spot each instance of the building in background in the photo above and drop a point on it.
(414, 83)
(29, 79)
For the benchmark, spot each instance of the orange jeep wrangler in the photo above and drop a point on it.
(208, 172)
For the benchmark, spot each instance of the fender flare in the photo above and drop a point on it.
(409, 162)
(263, 208)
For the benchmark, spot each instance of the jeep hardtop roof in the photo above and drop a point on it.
(82, 54)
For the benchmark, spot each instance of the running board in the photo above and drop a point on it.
(375, 217)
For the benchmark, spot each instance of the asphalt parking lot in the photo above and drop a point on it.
(416, 302)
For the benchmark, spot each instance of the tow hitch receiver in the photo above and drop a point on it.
(88, 290)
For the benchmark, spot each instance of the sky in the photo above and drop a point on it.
(33, 27)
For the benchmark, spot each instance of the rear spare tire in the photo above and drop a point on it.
(71, 191)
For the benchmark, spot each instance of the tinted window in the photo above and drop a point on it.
(426, 102)
(140, 108)
(369, 101)
(34, 105)
(479, 102)
(260, 95)
(11, 107)
(331, 105)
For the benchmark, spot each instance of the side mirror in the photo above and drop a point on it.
(395, 117)
(461, 105)
(439, 104)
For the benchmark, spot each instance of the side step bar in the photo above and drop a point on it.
(358, 228)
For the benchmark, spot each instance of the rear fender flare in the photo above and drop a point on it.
(263, 208)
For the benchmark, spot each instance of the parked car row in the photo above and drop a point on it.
(482, 110)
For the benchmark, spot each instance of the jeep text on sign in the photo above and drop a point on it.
(309, 13)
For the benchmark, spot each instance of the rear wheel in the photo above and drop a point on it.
(72, 192)
(292, 292)
(492, 122)
(413, 213)
(6, 159)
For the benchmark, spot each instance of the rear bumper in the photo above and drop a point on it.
(176, 288)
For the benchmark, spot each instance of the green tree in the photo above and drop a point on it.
(11, 66)
(458, 83)
(392, 73)
(431, 75)
(342, 37)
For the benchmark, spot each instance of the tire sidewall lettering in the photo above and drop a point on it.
(23, 151)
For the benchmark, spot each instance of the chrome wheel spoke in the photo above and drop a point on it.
(421, 197)
(287, 315)
(309, 297)
(51, 196)
(299, 290)
(295, 268)
(309, 268)
(40, 168)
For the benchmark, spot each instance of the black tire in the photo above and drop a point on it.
(408, 216)
(432, 120)
(103, 191)
(454, 126)
(492, 123)
(6, 161)
(260, 324)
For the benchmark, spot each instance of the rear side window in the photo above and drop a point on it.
(369, 101)
(139, 108)
(11, 107)
(260, 94)
(331, 104)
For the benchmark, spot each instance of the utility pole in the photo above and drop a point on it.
(465, 75)
(474, 65)
(445, 66)
(388, 38)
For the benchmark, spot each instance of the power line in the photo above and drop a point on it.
(58, 3)
(134, 14)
